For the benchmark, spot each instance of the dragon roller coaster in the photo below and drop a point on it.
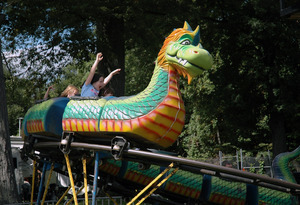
(117, 144)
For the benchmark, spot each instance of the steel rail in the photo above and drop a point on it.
(191, 165)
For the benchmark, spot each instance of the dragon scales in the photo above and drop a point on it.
(154, 116)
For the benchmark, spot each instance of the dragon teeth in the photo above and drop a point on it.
(181, 61)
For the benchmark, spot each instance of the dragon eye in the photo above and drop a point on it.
(185, 42)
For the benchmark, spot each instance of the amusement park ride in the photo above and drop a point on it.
(117, 144)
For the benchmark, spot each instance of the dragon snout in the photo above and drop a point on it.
(206, 59)
(198, 57)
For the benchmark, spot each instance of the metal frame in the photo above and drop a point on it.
(190, 165)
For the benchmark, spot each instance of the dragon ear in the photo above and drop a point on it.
(186, 26)
(200, 46)
(196, 34)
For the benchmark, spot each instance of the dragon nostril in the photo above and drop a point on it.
(196, 52)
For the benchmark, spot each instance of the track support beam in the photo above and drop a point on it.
(151, 183)
(71, 178)
(96, 173)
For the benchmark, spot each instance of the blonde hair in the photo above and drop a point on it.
(68, 90)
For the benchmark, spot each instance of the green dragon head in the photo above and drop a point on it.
(182, 50)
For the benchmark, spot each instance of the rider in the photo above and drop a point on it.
(95, 82)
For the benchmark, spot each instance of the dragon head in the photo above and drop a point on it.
(182, 50)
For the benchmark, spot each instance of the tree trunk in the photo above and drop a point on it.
(8, 187)
(110, 41)
(278, 133)
(115, 29)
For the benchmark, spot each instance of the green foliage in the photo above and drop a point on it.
(73, 74)
(200, 122)
(20, 94)
(23, 93)
(138, 72)
(256, 76)
(261, 167)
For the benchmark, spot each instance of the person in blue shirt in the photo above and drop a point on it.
(95, 82)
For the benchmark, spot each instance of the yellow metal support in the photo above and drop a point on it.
(151, 183)
(33, 181)
(114, 201)
(159, 184)
(70, 201)
(47, 185)
(71, 179)
(85, 180)
(63, 196)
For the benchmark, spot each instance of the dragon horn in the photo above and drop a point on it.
(196, 36)
(187, 26)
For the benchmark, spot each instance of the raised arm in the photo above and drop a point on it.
(99, 58)
(47, 92)
(109, 77)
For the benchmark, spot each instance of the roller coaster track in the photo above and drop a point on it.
(187, 165)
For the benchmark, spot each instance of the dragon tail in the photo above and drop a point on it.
(280, 165)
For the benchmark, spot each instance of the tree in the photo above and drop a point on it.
(48, 32)
(253, 103)
(21, 97)
(8, 185)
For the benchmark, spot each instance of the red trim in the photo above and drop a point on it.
(106, 125)
(169, 117)
(76, 121)
(174, 97)
(171, 106)
(163, 126)
(70, 123)
(173, 80)
(119, 123)
(64, 124)
(173, 72)
(147, 129)
(113, 125)
(173, 87)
